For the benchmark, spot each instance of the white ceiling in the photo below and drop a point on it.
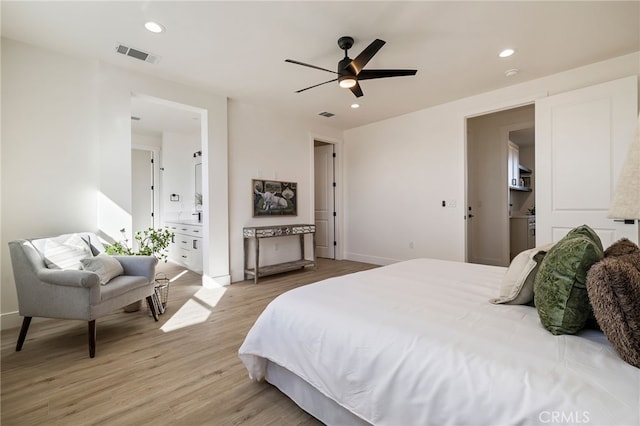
(524, 137)
(237, 49)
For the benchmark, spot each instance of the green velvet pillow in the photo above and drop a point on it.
(560, 292)
(586, 231)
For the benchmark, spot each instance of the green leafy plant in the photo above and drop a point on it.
(151, 242)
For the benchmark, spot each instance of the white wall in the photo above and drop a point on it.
(49, 123)
(265, 145)
(147, 140)
(398, 171)
(66, 133)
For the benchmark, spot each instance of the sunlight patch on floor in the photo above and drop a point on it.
(178, 276)
(196, 310)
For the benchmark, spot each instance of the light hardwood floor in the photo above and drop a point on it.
(182, 370)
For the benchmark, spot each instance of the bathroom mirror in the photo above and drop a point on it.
(198, 187)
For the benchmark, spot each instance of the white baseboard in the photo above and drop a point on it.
(370, 259)
(14, 320)
(10, 320)
(212, 282)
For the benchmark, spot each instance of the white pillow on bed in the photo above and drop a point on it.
(517, 283)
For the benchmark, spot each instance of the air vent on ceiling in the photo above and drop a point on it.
(137, 54)
(326, 114)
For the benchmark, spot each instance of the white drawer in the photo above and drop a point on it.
(187, 242)
(183, 255)
(180, 228)
(183, 241)
(196, 231)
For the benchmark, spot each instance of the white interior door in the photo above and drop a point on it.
(581, 140)
(142, 203)
(324, 201)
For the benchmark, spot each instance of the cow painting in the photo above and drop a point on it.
(274, 198)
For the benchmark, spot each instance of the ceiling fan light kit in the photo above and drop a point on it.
(350, 71)
(346, 81)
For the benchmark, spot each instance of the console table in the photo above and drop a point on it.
(256, 233)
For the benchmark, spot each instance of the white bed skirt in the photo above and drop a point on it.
(309, 399)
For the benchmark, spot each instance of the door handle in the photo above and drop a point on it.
(470, 215)
(625, 221)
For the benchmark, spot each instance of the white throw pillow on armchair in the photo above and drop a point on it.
(66, 252)
(107, 267)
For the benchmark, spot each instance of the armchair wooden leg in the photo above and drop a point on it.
(23, 333)
(152, 307)
(92, 339)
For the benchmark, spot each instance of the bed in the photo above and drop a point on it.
(418, 343)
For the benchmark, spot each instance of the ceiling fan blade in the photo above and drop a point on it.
(356, 90)
(365, 56)
(371, 74)
(310, 66)
(316, 85)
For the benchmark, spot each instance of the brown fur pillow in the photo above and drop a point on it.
(626, 250)
(613, 286)
(620, 247)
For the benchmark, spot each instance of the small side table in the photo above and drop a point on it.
(256, 233)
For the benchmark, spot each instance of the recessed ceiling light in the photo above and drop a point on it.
(506, 53)
(511, 72)
(154, 27)
(354, 106)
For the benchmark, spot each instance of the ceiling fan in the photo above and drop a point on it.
(350, 71)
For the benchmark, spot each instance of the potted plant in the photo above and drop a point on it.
(151, 242)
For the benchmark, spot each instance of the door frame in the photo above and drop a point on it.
(476, 112)
(337, 199)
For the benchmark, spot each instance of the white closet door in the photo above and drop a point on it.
(582, 138)
(324, 201)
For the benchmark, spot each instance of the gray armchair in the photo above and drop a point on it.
(75, 294)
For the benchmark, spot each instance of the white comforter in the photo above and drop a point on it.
(418, 343)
